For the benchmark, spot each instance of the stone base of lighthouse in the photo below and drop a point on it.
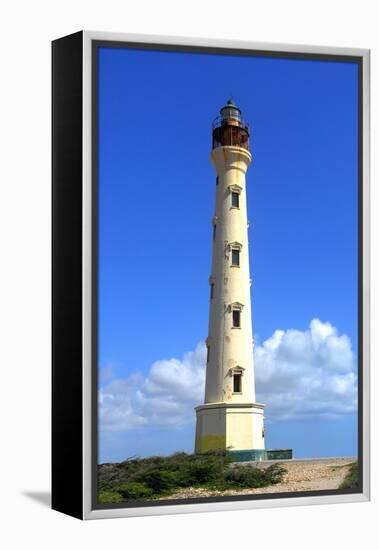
(230, 426)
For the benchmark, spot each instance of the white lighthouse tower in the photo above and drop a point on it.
(230, 418)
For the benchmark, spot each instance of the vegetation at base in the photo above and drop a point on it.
(154, 477)
(109, 497)
(245, 477)
(351, 480)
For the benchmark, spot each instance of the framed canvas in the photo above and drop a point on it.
(202, 189)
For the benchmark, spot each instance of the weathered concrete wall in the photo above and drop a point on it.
(230, 347)
(210, 429)
(230, 419)
(244, 428)
(235, 427)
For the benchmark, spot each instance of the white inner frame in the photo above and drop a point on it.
(88, 512)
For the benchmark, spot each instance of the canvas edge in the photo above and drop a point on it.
(88, 512)
(366, 316)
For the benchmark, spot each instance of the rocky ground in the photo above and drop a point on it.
(301, 475)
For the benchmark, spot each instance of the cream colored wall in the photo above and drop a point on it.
(229, 420)
(210, 429)
(244, 429)
(230, 347)
(233, 427)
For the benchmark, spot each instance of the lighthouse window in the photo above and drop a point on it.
(212, 290)
(214, 232)
(207, 355)
(235, 257)
(236, 318)
(237, 383)
(217, 180)
(235, 199)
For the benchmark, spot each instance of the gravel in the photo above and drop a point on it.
(301, 475)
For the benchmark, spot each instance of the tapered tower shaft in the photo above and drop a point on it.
(230, 418)
(230, 373)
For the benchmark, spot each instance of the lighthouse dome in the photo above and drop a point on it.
(230, 111)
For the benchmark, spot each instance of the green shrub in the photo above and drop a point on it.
(159, 481)
(223, 456)
(351, 480)
(250, 477)
(203, 471)
(274, 473)
(133, 490)
(143, 478)
(109, 497)
(181, 470)
(245, 476)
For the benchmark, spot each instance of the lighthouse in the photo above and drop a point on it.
(230, 419)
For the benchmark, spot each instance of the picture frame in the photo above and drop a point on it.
(75, 275)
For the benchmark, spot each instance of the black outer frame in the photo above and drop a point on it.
(67, 268)
(67, 181)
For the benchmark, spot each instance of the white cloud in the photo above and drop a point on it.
(299, 374)
(166, 396)
(306, 373)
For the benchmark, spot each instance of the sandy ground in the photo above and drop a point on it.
(301, 475)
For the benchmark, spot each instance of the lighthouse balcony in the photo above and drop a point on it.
(229, 132)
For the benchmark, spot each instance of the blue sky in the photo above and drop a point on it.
(156, 199)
